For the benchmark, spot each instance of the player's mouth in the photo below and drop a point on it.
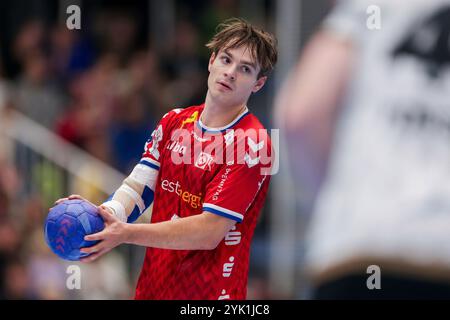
(224, 85)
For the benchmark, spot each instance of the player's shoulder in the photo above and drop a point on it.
(250, 121)
(252, 126)
(181, 113)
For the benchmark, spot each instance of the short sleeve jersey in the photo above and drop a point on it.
(224, 171)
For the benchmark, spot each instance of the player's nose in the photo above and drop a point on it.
(230, 73)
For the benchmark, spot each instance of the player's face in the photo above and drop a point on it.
(233, 76)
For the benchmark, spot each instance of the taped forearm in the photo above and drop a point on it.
(135, 194)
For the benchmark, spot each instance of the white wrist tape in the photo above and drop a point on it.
(117, 208)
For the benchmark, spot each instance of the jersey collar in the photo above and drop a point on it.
(224, 128)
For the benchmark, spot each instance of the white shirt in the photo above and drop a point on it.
(388, 187)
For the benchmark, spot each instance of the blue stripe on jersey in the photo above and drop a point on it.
(149, 164)
(223, 214)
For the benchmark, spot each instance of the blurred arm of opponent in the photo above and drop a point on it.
(307, 103)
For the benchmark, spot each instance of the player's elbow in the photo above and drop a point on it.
(214, 230)
(212, 242)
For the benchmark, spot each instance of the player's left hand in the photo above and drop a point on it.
(110, 237)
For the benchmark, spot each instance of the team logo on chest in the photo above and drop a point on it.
(204, 161)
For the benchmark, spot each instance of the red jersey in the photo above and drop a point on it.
(223, 171)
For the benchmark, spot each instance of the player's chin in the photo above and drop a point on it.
(227, 98)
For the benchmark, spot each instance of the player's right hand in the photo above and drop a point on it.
(72, 197)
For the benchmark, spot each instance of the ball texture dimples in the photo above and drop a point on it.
(66, 225)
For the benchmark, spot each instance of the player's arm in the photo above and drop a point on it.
(313, 89)
(308, 103)
(307, 106)
(316, 84)
(200, 232)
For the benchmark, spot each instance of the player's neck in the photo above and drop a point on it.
(215, 115)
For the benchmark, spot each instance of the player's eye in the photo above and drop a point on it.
(226, 60)
(246, 69)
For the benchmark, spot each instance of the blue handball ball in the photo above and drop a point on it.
(67, 224)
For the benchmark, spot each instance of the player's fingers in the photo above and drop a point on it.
(106, 215)
(94, 256)
(61, 200)
(97, 248)
(71, 197)
(95, 236)
(76, 196)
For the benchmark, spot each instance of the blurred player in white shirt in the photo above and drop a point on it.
(375, 103)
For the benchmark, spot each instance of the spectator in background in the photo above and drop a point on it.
(6, 105)
(10, 242)
(94, 99)
(71, 53)
(129, 133)
(35, 93)
(46, 273)
(183, 67)
(10, 185)
(17, 281)
(36, 97)
(215, 12)
(115, 33)
(29, 40)
(385, 196)
(138, 101)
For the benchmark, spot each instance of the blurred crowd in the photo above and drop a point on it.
(103, 89)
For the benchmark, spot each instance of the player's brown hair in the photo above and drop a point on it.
(237, 32)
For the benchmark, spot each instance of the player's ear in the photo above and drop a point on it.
(211, 61)
(259, 84)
